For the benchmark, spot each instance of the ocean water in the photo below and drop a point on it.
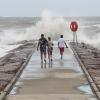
(13, 30)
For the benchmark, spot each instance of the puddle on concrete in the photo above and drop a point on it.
(68, 61)
(66, 75)
(92, 99)
(18, 83)
(86, 89)
(16, 87)
(29, 73)
(30, 76)
(13, 91)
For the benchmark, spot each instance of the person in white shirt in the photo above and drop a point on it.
(61, 44)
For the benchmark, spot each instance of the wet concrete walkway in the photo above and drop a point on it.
(59, 80)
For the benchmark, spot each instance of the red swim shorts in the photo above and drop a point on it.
(61, 50)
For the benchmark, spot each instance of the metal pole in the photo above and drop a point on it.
(73, 37)
(76, 38)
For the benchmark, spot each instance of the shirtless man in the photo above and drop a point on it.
(42, 43)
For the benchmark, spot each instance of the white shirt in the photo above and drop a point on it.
(50, 44)
(61, 42)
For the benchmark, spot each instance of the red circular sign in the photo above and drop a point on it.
(74, 26)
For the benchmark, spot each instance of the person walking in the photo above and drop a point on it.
(50, 49)
(61, 44)
(42, 43)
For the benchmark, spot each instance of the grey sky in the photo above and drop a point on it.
(57, 7)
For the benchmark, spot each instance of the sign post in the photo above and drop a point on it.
(74, 27)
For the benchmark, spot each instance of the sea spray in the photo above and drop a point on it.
(49, 27)
(88, 30)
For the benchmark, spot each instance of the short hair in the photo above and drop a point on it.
(61, 36)
(42, 35)
(49, 38)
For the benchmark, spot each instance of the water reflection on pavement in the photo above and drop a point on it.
(59, 79)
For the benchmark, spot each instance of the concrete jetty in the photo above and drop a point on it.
(59, 80)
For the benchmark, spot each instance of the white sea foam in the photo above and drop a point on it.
(47, 26)
(5, 48)
(52, 27)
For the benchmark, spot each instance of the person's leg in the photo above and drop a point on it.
(41, 56)
(45, 57)
(61, 52)
(61, 55)
(49, 55)
(41, 51)
(45, 54)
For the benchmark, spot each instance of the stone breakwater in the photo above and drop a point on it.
(89, 57)
(12, 62)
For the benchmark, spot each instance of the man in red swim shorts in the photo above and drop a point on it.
(61, 44)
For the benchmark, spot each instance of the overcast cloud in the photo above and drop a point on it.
(30, 8)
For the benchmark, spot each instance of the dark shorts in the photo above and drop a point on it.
(43, 50)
